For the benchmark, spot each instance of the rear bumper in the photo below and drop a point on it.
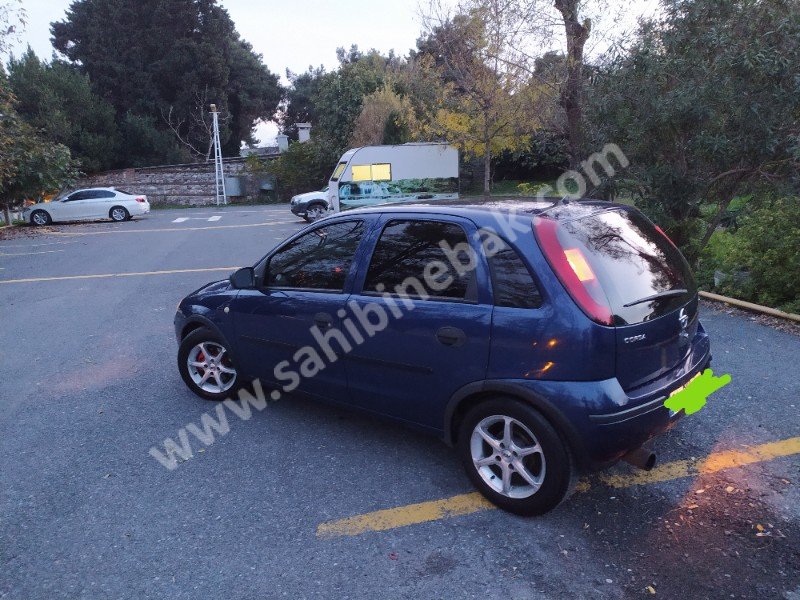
(599, 419)
(141, 208)
(629, 419)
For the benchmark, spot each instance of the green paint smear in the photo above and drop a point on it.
(693, 397)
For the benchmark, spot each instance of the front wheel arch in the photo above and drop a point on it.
(39, 211)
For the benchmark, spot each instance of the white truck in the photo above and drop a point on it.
(401, 173)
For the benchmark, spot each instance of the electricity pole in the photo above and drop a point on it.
(219, 172)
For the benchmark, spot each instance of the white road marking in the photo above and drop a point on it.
(210, 219)
(108, 275)
(28, 253)
(34, 245)
(163, 229)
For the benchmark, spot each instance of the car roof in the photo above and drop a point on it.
(481, 208)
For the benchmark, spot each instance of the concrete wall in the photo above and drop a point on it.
(188, 185)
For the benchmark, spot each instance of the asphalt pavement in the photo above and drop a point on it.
(306, 501)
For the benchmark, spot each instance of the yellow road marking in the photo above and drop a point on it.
(107, 231)
(465, 504)
(391, 518)
(108, 275)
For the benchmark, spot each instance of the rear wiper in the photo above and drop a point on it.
(658, 296)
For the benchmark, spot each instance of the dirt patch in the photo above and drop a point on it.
(16, 232)
(719, 541)
(768, 321)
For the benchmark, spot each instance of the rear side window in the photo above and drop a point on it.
(512, 284)
(406, 248)
(318, 260)
(631, 260)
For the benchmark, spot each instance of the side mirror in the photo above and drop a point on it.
(243, 279)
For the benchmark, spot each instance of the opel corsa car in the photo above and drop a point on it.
(541, 350)
(93, 203)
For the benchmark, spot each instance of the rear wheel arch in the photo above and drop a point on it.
(118, 208)
(475, 393)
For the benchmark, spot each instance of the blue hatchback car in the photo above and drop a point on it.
(538, 338)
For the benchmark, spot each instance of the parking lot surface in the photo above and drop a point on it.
(306, 501)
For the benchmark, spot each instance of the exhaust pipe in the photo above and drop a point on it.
(642, 458)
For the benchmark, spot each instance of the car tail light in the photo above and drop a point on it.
(574, 272)
(141, 199)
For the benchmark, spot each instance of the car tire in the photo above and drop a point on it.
(40, 217)
(206, 365)
(315, 211)
(119, 214)
(529, 476)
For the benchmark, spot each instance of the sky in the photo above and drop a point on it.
(293, 35)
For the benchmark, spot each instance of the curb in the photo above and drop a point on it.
(774, 312)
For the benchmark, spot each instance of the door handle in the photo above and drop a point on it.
(323, 320)
(451, 336)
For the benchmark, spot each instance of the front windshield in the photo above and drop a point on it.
(338, 171)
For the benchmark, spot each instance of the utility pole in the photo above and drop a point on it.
(219, 172)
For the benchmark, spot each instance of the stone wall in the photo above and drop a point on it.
(187, 185)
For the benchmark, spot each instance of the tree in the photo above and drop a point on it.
(29, 166)
(341, 93)
(705, 106)
(162, 61)
(12, 17)
(300, 106)
(58, 101)
(577, 33)
(385, 118)
(303, 167)
(483, 99)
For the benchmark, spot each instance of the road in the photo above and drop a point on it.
(306, 501)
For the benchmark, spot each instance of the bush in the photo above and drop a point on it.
(304, 167)
(760, 262)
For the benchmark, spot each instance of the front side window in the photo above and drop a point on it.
(76, 196)
(318, 260)
(410, 258)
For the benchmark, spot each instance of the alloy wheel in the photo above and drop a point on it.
(315, 212)
(507, 456)
(210, 367)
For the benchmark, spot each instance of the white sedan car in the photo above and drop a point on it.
(92, 203)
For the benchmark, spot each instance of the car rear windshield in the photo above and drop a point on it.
(632, 261)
